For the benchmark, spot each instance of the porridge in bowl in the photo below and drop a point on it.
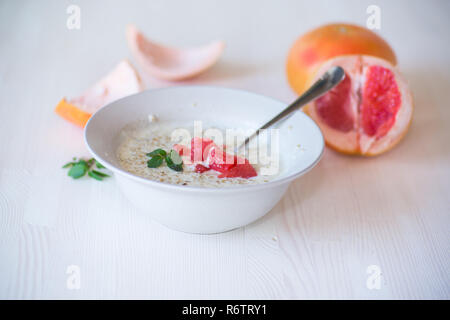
(166, 153)
(207, 203)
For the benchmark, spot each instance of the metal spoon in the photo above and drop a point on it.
(327, 82)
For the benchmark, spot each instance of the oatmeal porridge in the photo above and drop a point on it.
(139, 139)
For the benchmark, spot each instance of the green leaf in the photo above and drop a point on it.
(83, 162)
(78, 170)
(99, 165)
(94, 175)
(175, 157)
(101, 174)
(174, 161)
(157, 152)
(81, 167)
(155, 162)
(69, 164)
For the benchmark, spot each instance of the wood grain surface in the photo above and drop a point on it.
(391, 211)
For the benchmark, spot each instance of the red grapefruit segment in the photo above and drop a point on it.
(229, 165)
(240, 171)
(380, 102)
(334, 107)
(199, 168)
(199, 150)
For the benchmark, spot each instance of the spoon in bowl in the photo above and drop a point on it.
(328, 81)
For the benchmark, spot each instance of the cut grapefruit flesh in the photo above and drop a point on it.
(181, 149)
(244, 170)
(122, 81)
(199, 168)
(200, 149)
(168, 63)
(221, 161)
(335, 107)
(380, 102)
(369, 111)
(230, 166)
(215, 158)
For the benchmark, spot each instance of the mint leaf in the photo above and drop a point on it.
(174, 161)
(78, 170)
(175, 157)
(99, 165)
(69, 164)
(101, 174)
(155, 162)
(95, 175)
(84, 163)
(157, 152)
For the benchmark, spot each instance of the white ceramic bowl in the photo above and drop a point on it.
(196, 209)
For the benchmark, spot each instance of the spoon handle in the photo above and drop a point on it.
(327, 82)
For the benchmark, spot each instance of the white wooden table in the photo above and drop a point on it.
(391, 212)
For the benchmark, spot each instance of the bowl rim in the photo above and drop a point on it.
(175, 187)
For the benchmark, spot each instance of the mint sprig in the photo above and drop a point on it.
(79, 169)
(155, 162)
(172, 158)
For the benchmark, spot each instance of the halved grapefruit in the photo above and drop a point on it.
(329, 41)
(120, 82)
(369, 111)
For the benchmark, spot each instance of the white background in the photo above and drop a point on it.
(348, 213)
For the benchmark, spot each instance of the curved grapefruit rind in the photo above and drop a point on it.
(72, 113)
(371, 153)
(123, 80)
(329, 41)
(168, 63)
(350, 143)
